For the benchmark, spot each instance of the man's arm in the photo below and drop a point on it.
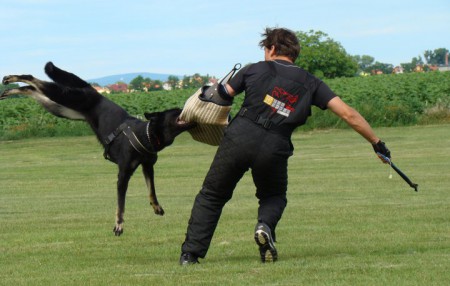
(353, 119)
(229, 90)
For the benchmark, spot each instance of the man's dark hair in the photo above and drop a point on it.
(284, 40)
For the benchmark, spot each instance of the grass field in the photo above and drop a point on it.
(346, 223)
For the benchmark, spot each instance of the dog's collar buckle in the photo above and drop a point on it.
(110, 138)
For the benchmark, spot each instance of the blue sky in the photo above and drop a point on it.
(99, 38)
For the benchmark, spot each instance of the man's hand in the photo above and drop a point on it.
(381, 148)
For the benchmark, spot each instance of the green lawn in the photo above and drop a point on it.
(346, 222)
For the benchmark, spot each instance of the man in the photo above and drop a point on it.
(278, 98)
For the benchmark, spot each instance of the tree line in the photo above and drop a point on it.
(327, 58)
(320, 55)
(140, 83)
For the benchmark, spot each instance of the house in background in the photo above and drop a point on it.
(397, 70)
(118, 87)
(445, 67)
(376, 72)
(100, 89)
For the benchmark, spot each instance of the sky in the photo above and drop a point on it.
(100, 38)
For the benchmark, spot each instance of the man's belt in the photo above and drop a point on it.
(264, 122)
(255, 117)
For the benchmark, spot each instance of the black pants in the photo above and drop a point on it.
(245, 146)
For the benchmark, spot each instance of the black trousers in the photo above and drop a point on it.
(245, 146)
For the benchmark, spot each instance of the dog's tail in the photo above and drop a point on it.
(64, 78)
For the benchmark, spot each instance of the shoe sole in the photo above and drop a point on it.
(266, 248)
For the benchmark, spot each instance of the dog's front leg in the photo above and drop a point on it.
(122, 186)
(7, 79)
(149, 176)
(28, 79)
(24, 90)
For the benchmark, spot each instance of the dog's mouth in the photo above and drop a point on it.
(181, 122)
(185, 123)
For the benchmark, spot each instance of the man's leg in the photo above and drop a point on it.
(270, 176)
(269, 173)
(224, 173)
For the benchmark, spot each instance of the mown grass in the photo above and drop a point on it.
(346, 223)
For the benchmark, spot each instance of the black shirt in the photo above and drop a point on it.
(281, 91)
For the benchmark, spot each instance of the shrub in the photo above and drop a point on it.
(384, 100)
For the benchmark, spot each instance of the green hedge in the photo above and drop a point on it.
(384, 100)
(395, 100)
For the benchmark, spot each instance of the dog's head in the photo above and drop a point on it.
(166, 125)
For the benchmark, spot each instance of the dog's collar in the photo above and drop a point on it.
(152, 137)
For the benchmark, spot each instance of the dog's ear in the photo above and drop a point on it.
(151, 115)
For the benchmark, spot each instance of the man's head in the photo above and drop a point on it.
(284, 42)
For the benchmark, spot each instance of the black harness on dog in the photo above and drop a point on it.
(134, 141)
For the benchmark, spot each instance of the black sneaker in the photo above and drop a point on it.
(263, 238)
(188, 259)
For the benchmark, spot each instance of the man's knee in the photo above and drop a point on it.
(214, 195)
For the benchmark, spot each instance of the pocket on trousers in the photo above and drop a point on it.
(284, 147)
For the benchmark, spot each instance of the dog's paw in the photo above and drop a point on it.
(4, 94)
(49, 67)
(118, 230)
(6, 80)
(158, 210)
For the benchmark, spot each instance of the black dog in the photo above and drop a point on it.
(128, 141)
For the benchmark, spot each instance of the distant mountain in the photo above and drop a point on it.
(127, 77)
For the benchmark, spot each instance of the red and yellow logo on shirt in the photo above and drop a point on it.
(281, 101)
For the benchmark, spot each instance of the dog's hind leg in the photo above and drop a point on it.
(147, 169)
(63, 77)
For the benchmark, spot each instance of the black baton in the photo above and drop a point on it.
(404, 177)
